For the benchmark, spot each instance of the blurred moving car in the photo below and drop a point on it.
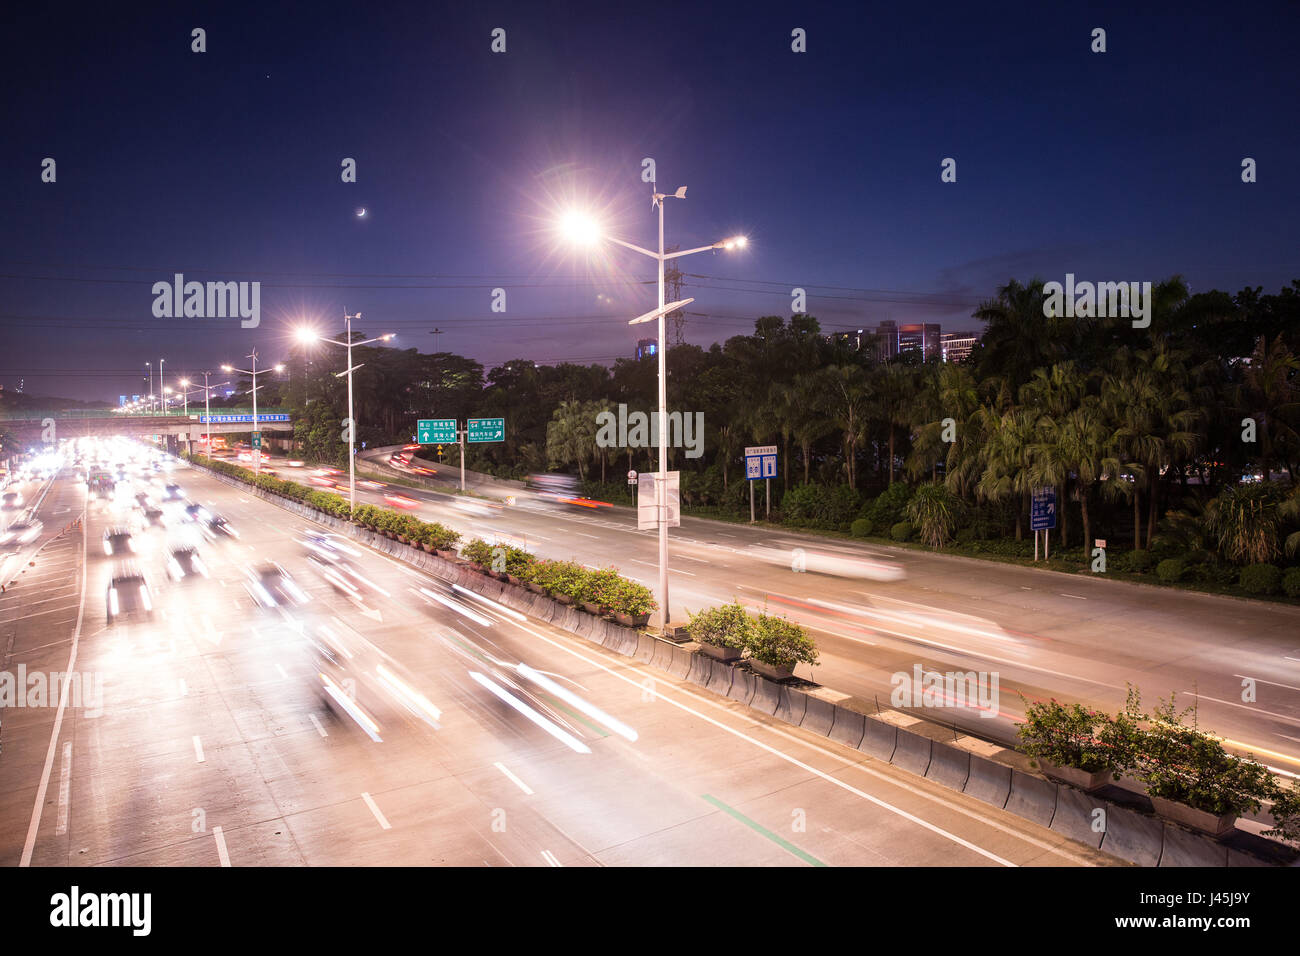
(800, 559)
(215, 526)
(563, 490)
(184, 562)
(118, 540)
(271, 586)
(128, 594)
(23, 531)
(11, 500)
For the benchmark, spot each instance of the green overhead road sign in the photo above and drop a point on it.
(257, 440)
(436, 431)
(486, 429)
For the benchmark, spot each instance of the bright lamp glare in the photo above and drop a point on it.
(279, 368)
(227, 368)
(579, 228)
(307, 335)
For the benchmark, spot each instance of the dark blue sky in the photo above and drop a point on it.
(225, 165)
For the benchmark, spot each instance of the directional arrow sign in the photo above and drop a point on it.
(485, 429)
(436, 431)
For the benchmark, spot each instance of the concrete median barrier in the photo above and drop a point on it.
(912, 752)
(700, 669)
(680, 665)
(1077, 816)
(879, 739)
(1133, 836)
(949, 765)
(645, 648)
(849, 726)
(767, 695)
(1237, 858)
(791, 705)
(720, 677)
(620, 640)
(742, 685)
(663, 655)
(1032, 798)
(1185, 848)
(988, 781)
(819, 716)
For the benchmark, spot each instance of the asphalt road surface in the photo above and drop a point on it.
(199, 734)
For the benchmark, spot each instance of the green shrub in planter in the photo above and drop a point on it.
(1074, 736)
(519, 563)
(561, 577)
(1261, 579)
(600, 587)
(439, 537)
(632, 598)
(902, 531)
(860, 528)
(479, 552)
(1286, 811)
(778, 642)
(1187, 765)
(1139, 561)
(1291, 582)
(1170, 570)
(725, 626)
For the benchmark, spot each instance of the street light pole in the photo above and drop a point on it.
(257, 452)
(586, 231)
(307, 335)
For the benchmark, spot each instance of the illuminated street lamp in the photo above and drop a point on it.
(207, 405)
(307, 336)
(257, 452)
(583, 230)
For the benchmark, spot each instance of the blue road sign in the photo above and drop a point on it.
(237, 419)
(760, 462)
(1042, 510)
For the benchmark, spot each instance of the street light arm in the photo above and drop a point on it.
(691, 252)
(634, 248)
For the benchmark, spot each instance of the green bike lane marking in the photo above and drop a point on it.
(763, 831)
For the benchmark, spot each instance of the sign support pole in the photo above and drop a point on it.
(768, 492)
(751, 502)
(462, 459)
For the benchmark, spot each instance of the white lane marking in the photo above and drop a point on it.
(515, 780)
(375, 810)
(1250, 707)
(1023, 588)
(1260, 680)
(283, 672)
(834, 781)
(30, 843)
(585, 535)
(591, 567)
(456, 606)
(198, 750)
(1077, 597)
(65, 789)
(689, 558)
(317, 724)
(499, 608)
(549, 857)
(222, 854)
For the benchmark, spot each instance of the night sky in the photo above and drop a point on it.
(225, 165)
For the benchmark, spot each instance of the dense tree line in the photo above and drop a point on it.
(1142, 432)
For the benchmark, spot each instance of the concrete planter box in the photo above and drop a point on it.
(1083, 779)
(563, 598)
(514, 580)
(446, 555)
(1200, 820)
(724, 654)
(595, 609)
(770, 672)
(536, 588)
(633, 620)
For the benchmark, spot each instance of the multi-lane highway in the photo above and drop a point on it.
(198, 732)
(1038, 633)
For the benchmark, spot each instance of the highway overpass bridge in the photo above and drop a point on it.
(37, 428)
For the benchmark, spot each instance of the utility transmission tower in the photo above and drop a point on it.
(673, 293)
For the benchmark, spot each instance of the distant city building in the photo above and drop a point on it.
(646, 347)
(956, 346)
(856, 338)
(895, 340)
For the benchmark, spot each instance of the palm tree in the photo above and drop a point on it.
(1079, 444)
(1020, 337)
(1007, 458)
(1270, 394)
(811, 424)
(1245, 520)
(934, 511)
(893, 386)
(848, 402)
